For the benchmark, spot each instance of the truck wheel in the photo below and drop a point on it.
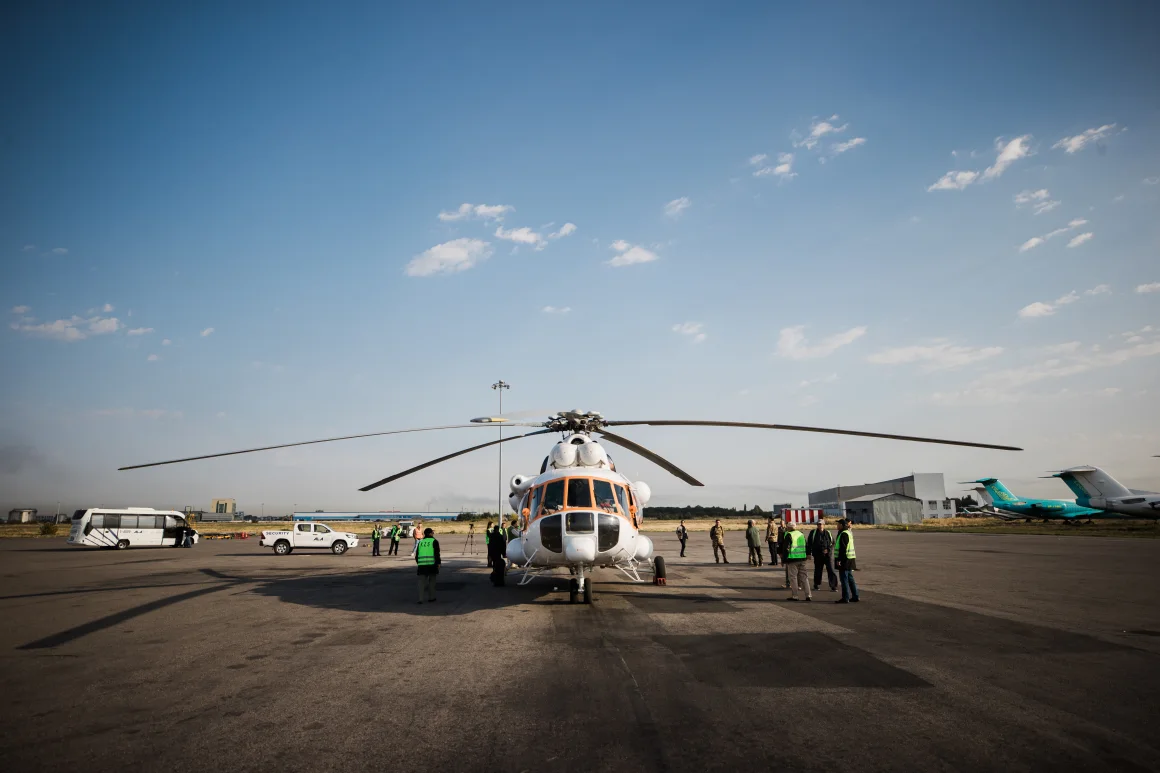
(122, 544)
(338, 548)
(587, 591)
(573, 591)
(282, 547)
(659, 569)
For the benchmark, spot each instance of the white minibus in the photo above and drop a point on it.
(110, 527)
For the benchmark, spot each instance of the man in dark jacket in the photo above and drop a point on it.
(772, 538)
(820, 545)
(497, 552)
(683, 536)
(753, 538)
(844, 555)
(427, 559)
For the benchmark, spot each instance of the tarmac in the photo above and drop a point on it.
(967, 652)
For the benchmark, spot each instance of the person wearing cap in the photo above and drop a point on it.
(427, 560)
(820, 545)
(717, 535)
(753, 539)
(794, 552)
(844, 557)
(772, 538)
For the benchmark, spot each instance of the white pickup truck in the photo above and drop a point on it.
(309, 535)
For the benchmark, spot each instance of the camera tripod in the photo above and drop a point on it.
(469, 543)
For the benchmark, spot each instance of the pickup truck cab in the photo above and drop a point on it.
(309, 535)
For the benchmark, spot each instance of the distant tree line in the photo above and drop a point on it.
(693, 512)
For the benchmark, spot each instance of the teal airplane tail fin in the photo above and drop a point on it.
(997, 490)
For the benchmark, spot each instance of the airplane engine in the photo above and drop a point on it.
(520, 483)
(515, 551)
(563, 455)
(643, 492)
(514, 500)
(644, 547)
(592, 455)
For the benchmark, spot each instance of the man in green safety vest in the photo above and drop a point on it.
(844, 557)
(395, 535)
(487, 541)
(427, 559)
(793, 545)
(376, 537)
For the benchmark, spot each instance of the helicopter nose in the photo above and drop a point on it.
(580, 549)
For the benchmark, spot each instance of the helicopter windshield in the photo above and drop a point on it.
(605, 499)
(554, 496)
(579, 492)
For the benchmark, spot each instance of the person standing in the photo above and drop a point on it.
(497, 552)
(487, 542)
(376, 537)
(683, 536)
(794, 545)
(717, 535)
(395, 535)
(781, 549)
(416, 534)
(820, 545)
(844, 556)
(753, 539)
(771, 539)
(427, 559)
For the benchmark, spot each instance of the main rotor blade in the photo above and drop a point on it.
(433, 462)
(303, 443)
(795, 428)
(654, 458)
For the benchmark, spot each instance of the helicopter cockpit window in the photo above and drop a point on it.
(536, 494)
(579, 493)
(605, 499)
(608, 532)
(580, 523)
(622, 497)
(554, 496)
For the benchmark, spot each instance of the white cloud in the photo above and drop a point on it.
(756, 160)
(1037, 309)
(555, 310)
(59, 251)
(783, 170)
(565, 230)
(819, 129)
(139, 331)
(1031, 243)
(449, 257)
(476, 211)
(1064, 348)
(1151, 287)
(207, 332)
(1039, 200)
(823, 380)
(1008, 153)
(29, 248)
(108, 307)
(1080, 239)
(1071, 297)
(954, 181)
(693, 330)
(1035, 241)
(938, 355)
(1099, 290)
(630, 254)
(1077, 143)
(791, 343)
(675, 207)
(165, 342)
(523, 235)
(73, 329)
(152, 358)
(1150, 181)
(842, 147)
(21, 309)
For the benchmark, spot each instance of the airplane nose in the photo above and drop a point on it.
(580, 549)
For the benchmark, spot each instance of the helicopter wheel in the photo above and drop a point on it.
(659, 575)
(587, 591)
(573, 590)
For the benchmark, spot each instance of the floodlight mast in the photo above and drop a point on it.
(499, 386)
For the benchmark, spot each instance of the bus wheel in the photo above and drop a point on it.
(282, 547)
(338, 548)
(122, 544)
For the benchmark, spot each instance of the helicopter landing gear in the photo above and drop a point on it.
(659, 576)
(579, 587)
(573, 590)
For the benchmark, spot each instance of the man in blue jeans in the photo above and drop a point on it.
(844, 557)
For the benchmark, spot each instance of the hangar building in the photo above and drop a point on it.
(884, 508)
(927, 487)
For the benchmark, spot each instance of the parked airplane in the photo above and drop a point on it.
(1047, 509)
(987, 507)
(1095, 488)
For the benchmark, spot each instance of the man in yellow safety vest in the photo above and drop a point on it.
(844, 557)
(793, 545)
(427, 559)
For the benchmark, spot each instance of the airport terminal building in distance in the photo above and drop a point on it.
(927, 487)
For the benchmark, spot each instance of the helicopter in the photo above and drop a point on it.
(579, 512)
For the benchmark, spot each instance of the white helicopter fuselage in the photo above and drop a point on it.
(579, 513)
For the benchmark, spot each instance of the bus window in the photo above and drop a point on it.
(79, 514)
(605, 499)
(553, 496)
(112, 521)
(579, 492)
(170, 521)
(535, 506)
(304, 527)
(622, 497)
(128, 522)
(97, 521)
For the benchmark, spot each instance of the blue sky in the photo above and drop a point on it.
(222, 228)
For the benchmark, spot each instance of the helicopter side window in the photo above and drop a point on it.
(605, 499)
(580, 523)
(622, 497)
(608, 532)
(554, 496)
(537, 492)
(579, 493)
(551, 532)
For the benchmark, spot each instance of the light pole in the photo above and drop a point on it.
(499, 386)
